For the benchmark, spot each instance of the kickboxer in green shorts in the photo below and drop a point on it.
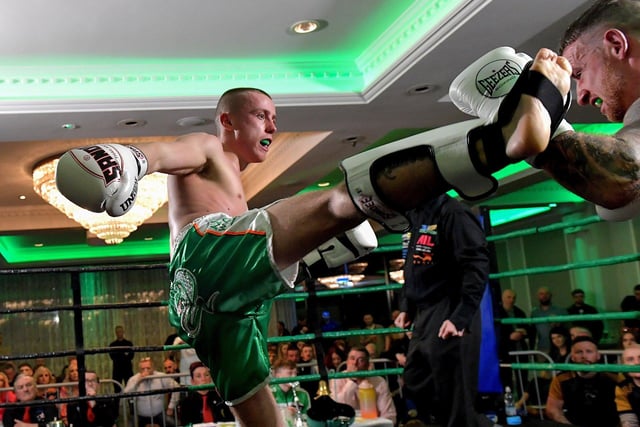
(228, 263)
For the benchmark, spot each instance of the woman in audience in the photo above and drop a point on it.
(6, 396)
(560, 344)
(628, 338)
(43, 375)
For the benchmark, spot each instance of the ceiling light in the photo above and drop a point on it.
(22, 197)
(152, 194)
(420, 89)
(69, 126)
(131, 123)
(324, 184)
(193, 121)
(307, 26)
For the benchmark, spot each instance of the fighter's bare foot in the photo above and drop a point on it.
(528, 133)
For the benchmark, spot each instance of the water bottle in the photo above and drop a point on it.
(513, 419)
(367, 398)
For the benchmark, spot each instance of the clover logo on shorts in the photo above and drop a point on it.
(186, 304)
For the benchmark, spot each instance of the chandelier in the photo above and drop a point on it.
(152, 194)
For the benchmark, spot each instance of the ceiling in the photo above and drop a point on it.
(124, 71)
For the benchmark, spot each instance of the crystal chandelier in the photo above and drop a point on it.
(152, 194)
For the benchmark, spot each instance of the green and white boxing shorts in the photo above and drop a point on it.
(223, 281)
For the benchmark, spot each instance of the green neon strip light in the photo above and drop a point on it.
(382, 37)
(14, 250)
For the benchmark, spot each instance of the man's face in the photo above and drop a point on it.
(25, 388)
(292, 355)
(119, 333)
(544, 296)
(357, 361)
(637, 295)
(285, 372)
(201, 375)
(585, 353)
(601, 79)
(631, 356)
(92, 383)
(169, 367)
(27, 370)
(508, 299)
(253, 121)
(368, 319)
(578, 299)
(145, 367)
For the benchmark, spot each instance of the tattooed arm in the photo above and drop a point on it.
(602, 169)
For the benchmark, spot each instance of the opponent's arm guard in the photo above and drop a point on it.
(101, 177)
(339, 250)
(467, 153)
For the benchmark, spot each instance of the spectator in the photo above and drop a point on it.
(282, 350)
(560, 344)
(579, 331)
(70, 390)
(628, 391)
(25, 368)
(334, 358)
(328, 324)
(584, 398)
(301, 327)
(37, 415)
(151, 409)
(580, 307)
(293, 353)
(512, 337)
(345, 390)
(202, 406)
(93, 413)
(376, 339)
(187, 356)
(286, 394)
(282, 329)
(122, 368)
(43, 376)
(169, 341)
(170, 367)
(390, 339)
(308, 365)
(544, 309)
(628, 338)
(6, 396)
(632, 303)
(9, 369)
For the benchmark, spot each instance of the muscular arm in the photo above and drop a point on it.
(602, 169)
(554, 410)
(187, 154)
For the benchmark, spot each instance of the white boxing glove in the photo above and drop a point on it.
(101, 177)
(480, 88)
(623, 213)
(344, 248)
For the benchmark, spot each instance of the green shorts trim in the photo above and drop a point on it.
(223, 281)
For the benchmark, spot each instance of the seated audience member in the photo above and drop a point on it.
(98, 413)
(334, 358)
(390, 339)
(25, 368)
(345, 390)
(560, 344)
(595, 327)
(628, 338)
(293, 353)
(37, 415)
(71, 390)
(10, 370)
(377, 339)
(186, 357)
(282, 329)
(7, 396)
(308, 365)
(43, 376)
(580, 331)
(202, 406)
(628, 391)
(289, 395)
(535, 395)
(584, 398)
(151, 409)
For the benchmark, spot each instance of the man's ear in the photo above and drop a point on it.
(616, 43)
(225, 121)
